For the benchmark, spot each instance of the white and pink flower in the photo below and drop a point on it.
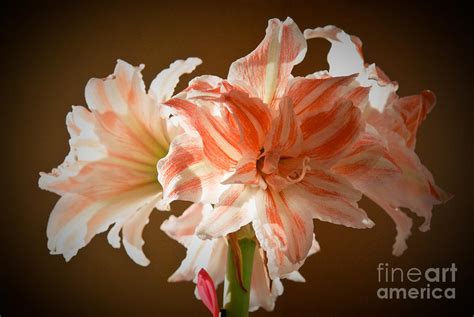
(261, 146)
(109, 176)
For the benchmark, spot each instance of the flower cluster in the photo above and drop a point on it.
(261, 150)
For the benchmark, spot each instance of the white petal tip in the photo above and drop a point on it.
(368, 223)
(68, 255)
(194, 60)
(136, 254)
(175, 278)
(425, 227)
(115, 244)
(399, 251)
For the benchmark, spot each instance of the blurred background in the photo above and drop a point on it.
(51, 49)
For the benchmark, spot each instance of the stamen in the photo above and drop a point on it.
(299, 175)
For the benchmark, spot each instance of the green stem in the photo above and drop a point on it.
(236, 299)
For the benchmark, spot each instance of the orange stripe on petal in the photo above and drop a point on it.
(329, 134)
(186, 174)
(236, 208)
(268, 67)
(328, 197)
(284, 232)
(220, 140)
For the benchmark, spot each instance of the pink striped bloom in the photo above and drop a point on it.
(109, 176)
(261, 146)
(392, 123)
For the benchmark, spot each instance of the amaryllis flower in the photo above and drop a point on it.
(211, 255)
(393, 122)
(109, 176)
(260, 147)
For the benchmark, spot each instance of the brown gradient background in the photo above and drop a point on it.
(50, 51)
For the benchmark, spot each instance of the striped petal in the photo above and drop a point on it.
(236, 208)
(397, 121)
(368, 160)
(327, 197)
(286, 137)
(345, 58)
(101, 180)
(413, 189)
(413, 110)
(284, 233)
(252, 116)
(130, 122)
(312, 96)
(327, 109)
(186, 174)
(328, 135)
(220, 135)
(85, 147)
(268, 68)
(245, 172)
(75, 219)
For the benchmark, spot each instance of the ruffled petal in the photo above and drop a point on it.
(327, 197)
(284, 233)
(397, 121)
(186, 174)
(413, 189)
(345, 56)
(268, 68)
(162, 87)
(85, 147)
(132, 232)
(76, 219)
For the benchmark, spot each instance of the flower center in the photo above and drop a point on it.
(279, 172)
